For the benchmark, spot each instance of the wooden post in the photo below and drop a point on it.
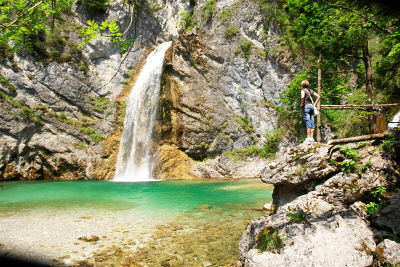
(368, 80)
(319, 93)
(380, 123)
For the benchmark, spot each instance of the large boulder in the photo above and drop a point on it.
(319, 209)
(300, 164)
(321, 169)
(327, 239)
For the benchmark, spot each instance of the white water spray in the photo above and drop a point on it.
(395, 121)
(135, 160)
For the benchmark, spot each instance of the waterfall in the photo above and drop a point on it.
(135, 160)
(395, 121)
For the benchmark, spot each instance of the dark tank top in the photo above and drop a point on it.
(308, 94)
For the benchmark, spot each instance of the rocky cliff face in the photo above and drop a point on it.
(61, 117)
(58, 106)
(219, 88)
(37, 142)
(320, 198)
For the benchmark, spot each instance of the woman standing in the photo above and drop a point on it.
(308, 109)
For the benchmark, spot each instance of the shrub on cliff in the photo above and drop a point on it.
(269, 240)
(208, 10)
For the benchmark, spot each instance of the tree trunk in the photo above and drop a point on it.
(356, 139)
(368, 70)
(53, 6)
(319, 93)
(368, 79)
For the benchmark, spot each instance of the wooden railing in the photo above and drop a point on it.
(374, 106)
(368, 107)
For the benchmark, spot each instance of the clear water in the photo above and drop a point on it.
(165, 196)
(135, 217)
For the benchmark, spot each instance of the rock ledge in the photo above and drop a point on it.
(319, 211)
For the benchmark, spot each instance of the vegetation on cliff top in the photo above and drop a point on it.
(35, 27)
(22, 20)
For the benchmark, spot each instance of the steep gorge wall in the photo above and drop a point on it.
(216, 96)
(59, 110)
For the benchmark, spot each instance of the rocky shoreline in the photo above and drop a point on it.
(322, 209)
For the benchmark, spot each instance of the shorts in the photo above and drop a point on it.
(308, 116)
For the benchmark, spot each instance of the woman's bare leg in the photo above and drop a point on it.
(309, 133)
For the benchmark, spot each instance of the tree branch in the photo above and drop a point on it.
(24, 14)
(130, 49)
(130, 23)
(379, 29)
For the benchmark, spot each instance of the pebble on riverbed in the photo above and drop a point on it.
(89, 238)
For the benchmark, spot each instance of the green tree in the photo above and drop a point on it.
(321, 31)
(21, 20)
(327, 29)
(387, 72)
(339, 31)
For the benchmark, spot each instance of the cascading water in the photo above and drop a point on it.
(395, 121)
(135, 157)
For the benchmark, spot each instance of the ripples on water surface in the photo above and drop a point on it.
(181, 223)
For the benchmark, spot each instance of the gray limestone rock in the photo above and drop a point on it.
(223, 95)
(388, 252)
(339, 239)
(359, 208)
(203, 171)
(299, 164)
(324, 238)
(389, 217)
(230, 168)
(39, 130)
(316, 167)
(59, 146)
(335, 229)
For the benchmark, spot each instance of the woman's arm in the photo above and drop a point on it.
(302, 98)
(318, 98)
